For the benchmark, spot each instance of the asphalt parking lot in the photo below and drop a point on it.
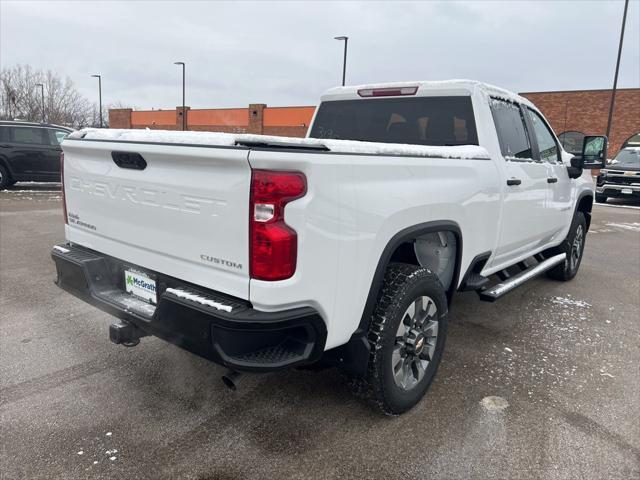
(564, 357)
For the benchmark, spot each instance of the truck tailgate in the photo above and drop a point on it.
(184, 214)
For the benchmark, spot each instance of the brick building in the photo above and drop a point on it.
(256, 118)
(572, 115)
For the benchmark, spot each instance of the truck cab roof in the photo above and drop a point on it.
(421, 88)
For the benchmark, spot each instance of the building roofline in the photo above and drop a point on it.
(580, 91)
(293, 106)
(225, 108)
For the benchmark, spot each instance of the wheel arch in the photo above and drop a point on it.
(585, 205)
(353, 356)
(396, 250)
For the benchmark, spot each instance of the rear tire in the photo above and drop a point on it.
(601, 198)
(407, 336)
(5, 178)
(573, 246)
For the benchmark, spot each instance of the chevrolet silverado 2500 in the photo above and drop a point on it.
(621, 178)
(345, 248)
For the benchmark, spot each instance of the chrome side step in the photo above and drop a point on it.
(493, 293)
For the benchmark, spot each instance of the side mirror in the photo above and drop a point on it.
(594, 151)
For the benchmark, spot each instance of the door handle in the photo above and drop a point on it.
(514, 181)
(552, 180)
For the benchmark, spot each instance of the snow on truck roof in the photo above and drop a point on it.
(454, 86)
(214, 139)
(217, 139)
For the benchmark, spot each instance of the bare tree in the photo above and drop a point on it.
(21, 98)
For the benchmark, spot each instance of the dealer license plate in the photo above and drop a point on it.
(141, 286)
(627, 191)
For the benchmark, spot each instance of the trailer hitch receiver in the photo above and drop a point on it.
(125, 333)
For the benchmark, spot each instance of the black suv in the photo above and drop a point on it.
(30, 152)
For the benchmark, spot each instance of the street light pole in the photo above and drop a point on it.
(99, 95)
(344, 60)
(184, 114)
(615, 77)
(42, 93)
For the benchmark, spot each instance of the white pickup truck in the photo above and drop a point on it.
(345, 248)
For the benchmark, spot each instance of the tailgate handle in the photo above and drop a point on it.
(131, 160)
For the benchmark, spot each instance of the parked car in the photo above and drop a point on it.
(30, 152)
(346, 248)
(621, 177)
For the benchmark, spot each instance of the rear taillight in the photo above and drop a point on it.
(387, 92)
(273, 246)
(64, 198)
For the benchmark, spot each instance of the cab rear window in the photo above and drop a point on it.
(417, 121)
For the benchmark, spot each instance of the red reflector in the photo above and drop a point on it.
(273, 246)
(387, 92)
(64, 198)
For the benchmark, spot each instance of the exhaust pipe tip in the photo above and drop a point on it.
(231, 379)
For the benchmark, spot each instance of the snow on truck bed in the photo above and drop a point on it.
(231, 139)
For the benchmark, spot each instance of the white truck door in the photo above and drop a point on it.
(524, 214)
(559, 201)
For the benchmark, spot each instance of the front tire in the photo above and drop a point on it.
(407, 336)
(601, 198)
(573, 246)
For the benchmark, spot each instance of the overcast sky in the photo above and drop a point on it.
(283, 53)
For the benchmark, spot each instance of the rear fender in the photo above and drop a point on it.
(354, 355)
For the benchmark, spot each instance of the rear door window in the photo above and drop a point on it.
(415, 120)
(511, 129)
(30, 135)
(549, 151)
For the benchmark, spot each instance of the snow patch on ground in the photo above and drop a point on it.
(609, 205)
(99, 451)
(32, 195)
(494, 404)
(560, 330)
(44, 184)
(632, 226)
(569, 302)
(31, 192)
